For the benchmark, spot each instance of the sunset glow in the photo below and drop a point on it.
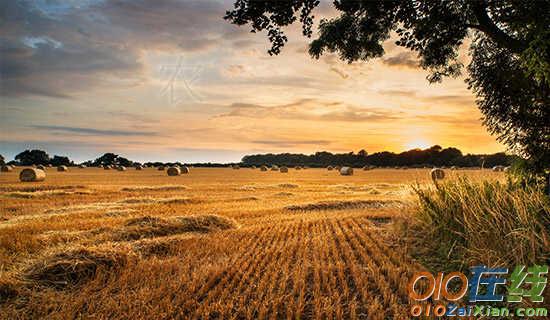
(214, 95)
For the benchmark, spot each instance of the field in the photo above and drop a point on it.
(216, 243)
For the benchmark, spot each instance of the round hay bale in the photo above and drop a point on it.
(184, 170)
(32, 175)
(453, 168)
(283, 169)
(366, 168)
(346, 171)
(236, 167)
(41, 167)
(107, 167)
(506, 169)
(498, 168)
(82, 166)
(253, 167)
(274, 168)
(121, 168)
(337, 168)
(330, 168)
(437, 174)
(7, 169)
(298, 168)
(161, 168)
(263, 168)
(62, 168)
(173, 171)
(139, 168)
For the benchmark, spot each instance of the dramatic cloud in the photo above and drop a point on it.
(79, 46)
(311, 110)
(94, 132)
(403, 59)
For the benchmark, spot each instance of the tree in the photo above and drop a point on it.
(111, 159)
(30, 157)
(1, 160)
(61, 161)
(509, 70)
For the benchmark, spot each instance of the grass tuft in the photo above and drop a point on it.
(461, 223)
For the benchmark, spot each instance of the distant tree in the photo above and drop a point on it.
(124, 162)
(61, 161)
(1, 160)
(30, 157)
(510, 51)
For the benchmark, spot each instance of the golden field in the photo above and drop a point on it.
(215, 243)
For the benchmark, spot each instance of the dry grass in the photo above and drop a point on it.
(345, 205)
(75, 267)
(151, 227)
(141, 247)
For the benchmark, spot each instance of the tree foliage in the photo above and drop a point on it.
(30, 157)
(2, 160)
(510, 51)
(434, 156)
(111, 159)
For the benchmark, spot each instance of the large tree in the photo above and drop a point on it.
(30, 157)
(510, 39)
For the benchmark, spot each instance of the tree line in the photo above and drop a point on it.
(434, 156)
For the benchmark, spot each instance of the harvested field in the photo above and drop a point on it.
(215, 244)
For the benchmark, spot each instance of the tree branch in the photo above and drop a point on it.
(487, 26)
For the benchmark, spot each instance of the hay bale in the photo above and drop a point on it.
(139, 168)
(346, 171)
(498, 168)
(107, 167)
(161, 168)
(337, 168)
(298, 168)
(236, 167)
(32, 175)
(62, 168)
(82, 166)
(274, 168)
(283, 169)
(453, 168)
(121, 168)
(507, 169)
(41, 167)
(253, 167)
(173, 171)
(7, 169)
(437, 174)
(263, 168)
(74, 267)
(330, 168)
(184, 170)
(366, 168)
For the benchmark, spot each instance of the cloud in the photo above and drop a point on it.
(403, 59)
(93, 132)
(291, 143)
(59, 49)
(310, 110)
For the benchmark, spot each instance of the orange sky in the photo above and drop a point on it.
(93, 79)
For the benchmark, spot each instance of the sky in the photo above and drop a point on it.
(170, 80)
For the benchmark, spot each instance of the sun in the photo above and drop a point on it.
(417, 144)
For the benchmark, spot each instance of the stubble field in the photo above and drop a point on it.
(212, 244)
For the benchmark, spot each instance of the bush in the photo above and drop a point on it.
(462, 223)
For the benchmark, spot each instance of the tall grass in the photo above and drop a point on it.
(460, 223)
